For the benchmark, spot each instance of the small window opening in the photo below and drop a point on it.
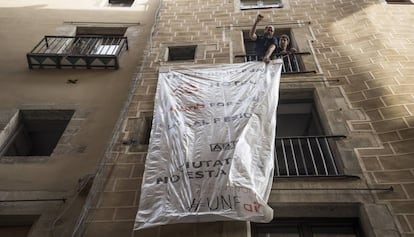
(140, 132)
(260, 4)
(178, 53)
(121, 3)
(146, 128)
(400, 1)
(16, 225)
(37, 132)
(100, 31)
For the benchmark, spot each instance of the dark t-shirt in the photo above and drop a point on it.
(262, 44)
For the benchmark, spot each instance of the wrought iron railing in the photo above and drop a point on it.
(305, 156)
(292, 62)
(77, 52)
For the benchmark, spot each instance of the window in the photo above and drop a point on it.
(121, 3)
(260, 4)
(16, 225)
(179, 53)
(99, 40)
(400, 1)
(292, 62)
(302, 148)
(298, 117)
(35, 132)
(139, 132)
(308, 227)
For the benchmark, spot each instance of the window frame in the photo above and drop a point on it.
(304, 225)
(25, 222)
(121, 3)
(402, 2)
(18, 126)
(108, 39)
(310, 154)
(261, 4)
(174, 49)
(293, 62)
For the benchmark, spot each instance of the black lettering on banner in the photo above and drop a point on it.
(222, 202)
(172, 179)
(217, 163)
(216, 169)
(226, 119)
(199, 174)
(235, 83)
(228, 103)
(217, 147)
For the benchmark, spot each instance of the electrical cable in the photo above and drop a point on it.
(101, 168)
(36, 200)
(80, 188)
(334, 189)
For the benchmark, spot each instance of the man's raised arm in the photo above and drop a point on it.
(252, 32)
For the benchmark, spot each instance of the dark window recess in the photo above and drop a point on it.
(399, 1)
(121, 3)
(100, 31)
(298, 117)
(16, 226)
(147, 126)
(308, 227)
(178, 53)
(37, 132)
(260, 4)
(140, 132)
(302, 148)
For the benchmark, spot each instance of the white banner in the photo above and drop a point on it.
(211, 150)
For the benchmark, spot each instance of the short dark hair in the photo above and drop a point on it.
(285, 36)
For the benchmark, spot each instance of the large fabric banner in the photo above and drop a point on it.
(211, 150)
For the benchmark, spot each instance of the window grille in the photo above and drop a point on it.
(301, 147)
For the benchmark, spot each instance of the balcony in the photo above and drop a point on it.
(305, 156)
(88, 52)
(292, 62)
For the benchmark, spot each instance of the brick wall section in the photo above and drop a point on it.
(365, 44)
(378, 53)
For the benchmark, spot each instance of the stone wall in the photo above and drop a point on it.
(363, 87)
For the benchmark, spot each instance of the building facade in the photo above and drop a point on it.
(344, 160)
(67, 70)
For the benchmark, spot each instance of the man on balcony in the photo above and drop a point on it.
(266, 44)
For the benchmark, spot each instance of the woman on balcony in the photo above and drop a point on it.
(287, 54)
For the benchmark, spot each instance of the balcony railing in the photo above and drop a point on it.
(291, 61)
(77, 52)
(305, 156)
